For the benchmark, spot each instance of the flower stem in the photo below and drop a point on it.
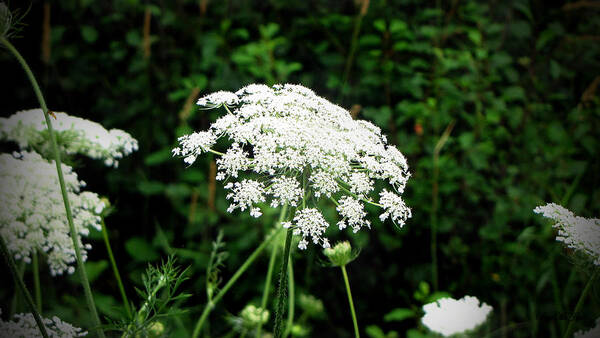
(113, 263)
(291, 302)
(354, 321)
(21, 285)
(265, 296)
(580, 302)
(16, 300)
(82, 273)
(282, 297)
(208, 308)
(36, 281)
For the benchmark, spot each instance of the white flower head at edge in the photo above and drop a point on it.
(32, 213)
(300, 146)
(448, 316)
(24, 325)
(591, 333)
(85, 137)
(575, 232)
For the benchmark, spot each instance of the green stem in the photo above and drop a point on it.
(291, 302)
(580, 303)
(16, 300)
(21, 285)
(350, 58)
(113, 263)
(82, 273)
(36, 281)
(208, 308)
(265, 296)
(282, 297)
(141, 314)
(354, 321)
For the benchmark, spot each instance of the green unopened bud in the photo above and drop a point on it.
(311, 305)
(253, 316)
(341, 254)
(156, 329)
(299, 330)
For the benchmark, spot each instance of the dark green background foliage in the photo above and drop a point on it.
(515, 83)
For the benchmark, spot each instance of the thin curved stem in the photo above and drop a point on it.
(291, 300)
(354, 321)
(80, 266)
(21, 285)
(113, 263)
(16, 300)
(36, 281)
(282, 297)
(580, 303)
(208, 308)
(266, 289)
(265, 296)
(359, 197)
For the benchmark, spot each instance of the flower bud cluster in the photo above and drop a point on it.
(75, 135)
(575, 232)
(301, 147)
(32, 213)
(24, 325)
(448, 316)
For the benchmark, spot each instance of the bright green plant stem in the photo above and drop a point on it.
(208, 308)
(347, 283)
(580, 302)
(16, 300)
(21, 285)
(36, 281)
(113, 263)
(141, 314)
(282, 295)
(80, 266)
(434, 202)
(265, 296)
(291, 300)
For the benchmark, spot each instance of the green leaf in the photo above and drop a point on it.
(399, 314)
(89, 34)
(140, 250)
(151, 187)
(158, 157)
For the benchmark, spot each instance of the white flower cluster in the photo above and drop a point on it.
(302, 146)
(576, 232)
(309, 222)
(32, 213)
(24, 326)
(591, 333)
(448, 316)
(254, 316)
(81, 136)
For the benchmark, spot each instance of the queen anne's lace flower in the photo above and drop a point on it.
(448, 316)
(353, 212)
(24, 326)
(32, 213)
(244, 194)
(287, 131)
(309, 222)
(28, 129)
(394, 207)
(285, 190)
(576, 232)
(590, 333)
